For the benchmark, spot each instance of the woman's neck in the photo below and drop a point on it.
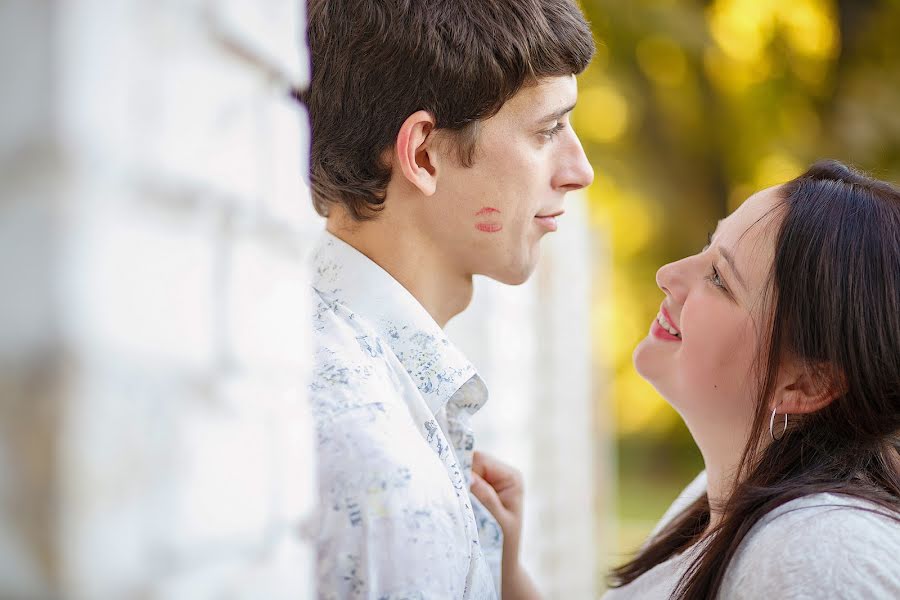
(722, 458)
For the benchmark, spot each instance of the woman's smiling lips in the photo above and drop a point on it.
(660, 332)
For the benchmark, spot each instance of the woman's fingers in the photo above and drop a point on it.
(494, 471)
(505, 480)
(499, 488)
(488, 497)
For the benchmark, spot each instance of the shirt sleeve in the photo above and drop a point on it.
(820, 550)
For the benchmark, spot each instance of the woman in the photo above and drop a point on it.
(779, 346)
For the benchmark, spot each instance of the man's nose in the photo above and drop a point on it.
(575, 171)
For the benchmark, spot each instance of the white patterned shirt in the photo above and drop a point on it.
(392, 399)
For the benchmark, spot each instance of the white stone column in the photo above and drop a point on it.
(532, 344)
(154, 435)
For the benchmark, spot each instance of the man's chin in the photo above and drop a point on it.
(511, 272)
(514, 276)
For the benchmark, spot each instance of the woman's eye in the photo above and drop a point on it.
(715, 279)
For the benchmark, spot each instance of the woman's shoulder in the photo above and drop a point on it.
(815, 545)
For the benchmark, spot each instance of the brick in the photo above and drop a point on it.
(268, 29)
(139, 279)
(29, 444)
(189, 113)
(117, 453)
(27, 260)
(152, 244)
(27, 100)
(286, 198)
(265, 297)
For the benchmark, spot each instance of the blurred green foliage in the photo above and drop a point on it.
(687, 109)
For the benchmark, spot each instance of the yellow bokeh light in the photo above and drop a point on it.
(810, 27)
(602, 113)
(629, 217)
(776, 168)
(628, 323)
(639, 407)
(738, 194)
(734, 77)
(662, 60)
(601, 56)
(635, 227)
(742, 28)
(797, 117)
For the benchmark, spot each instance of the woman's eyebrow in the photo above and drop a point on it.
(729, 258)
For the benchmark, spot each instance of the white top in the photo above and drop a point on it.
(816, 547)
(391, 399)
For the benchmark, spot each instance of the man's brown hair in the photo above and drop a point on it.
(375, 62)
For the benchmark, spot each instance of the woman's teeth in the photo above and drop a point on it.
(665, 325)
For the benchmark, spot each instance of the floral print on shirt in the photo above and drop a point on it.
(392, 399)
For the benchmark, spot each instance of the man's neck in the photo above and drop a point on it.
(412, 260)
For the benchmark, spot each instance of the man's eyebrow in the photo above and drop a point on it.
(557, 114)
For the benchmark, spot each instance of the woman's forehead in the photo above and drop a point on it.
(754, 208)
(749, 234)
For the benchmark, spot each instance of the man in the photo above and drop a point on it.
(441, 149)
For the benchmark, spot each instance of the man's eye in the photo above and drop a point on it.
(551, 133)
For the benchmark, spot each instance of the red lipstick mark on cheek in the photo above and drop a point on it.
(488, 226)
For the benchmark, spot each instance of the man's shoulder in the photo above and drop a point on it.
(340, 333)
(354, 371)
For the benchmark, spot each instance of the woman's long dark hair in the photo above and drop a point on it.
(834, 303)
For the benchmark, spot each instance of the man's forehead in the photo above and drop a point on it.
(544, 98)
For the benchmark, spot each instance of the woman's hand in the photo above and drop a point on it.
(499, 488)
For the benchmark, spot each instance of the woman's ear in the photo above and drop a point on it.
(416, 153)
(804, 388)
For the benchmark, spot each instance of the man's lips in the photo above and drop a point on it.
(548, 221)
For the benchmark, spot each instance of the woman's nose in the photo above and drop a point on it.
(670, 279)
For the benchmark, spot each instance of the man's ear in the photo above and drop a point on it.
(804, 389)
(416, 153)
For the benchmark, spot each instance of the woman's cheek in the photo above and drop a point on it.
(718, 355)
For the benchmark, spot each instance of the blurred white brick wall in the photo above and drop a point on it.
(532, 345)
(154, 226)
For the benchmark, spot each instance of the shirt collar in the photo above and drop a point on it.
(347, 276)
